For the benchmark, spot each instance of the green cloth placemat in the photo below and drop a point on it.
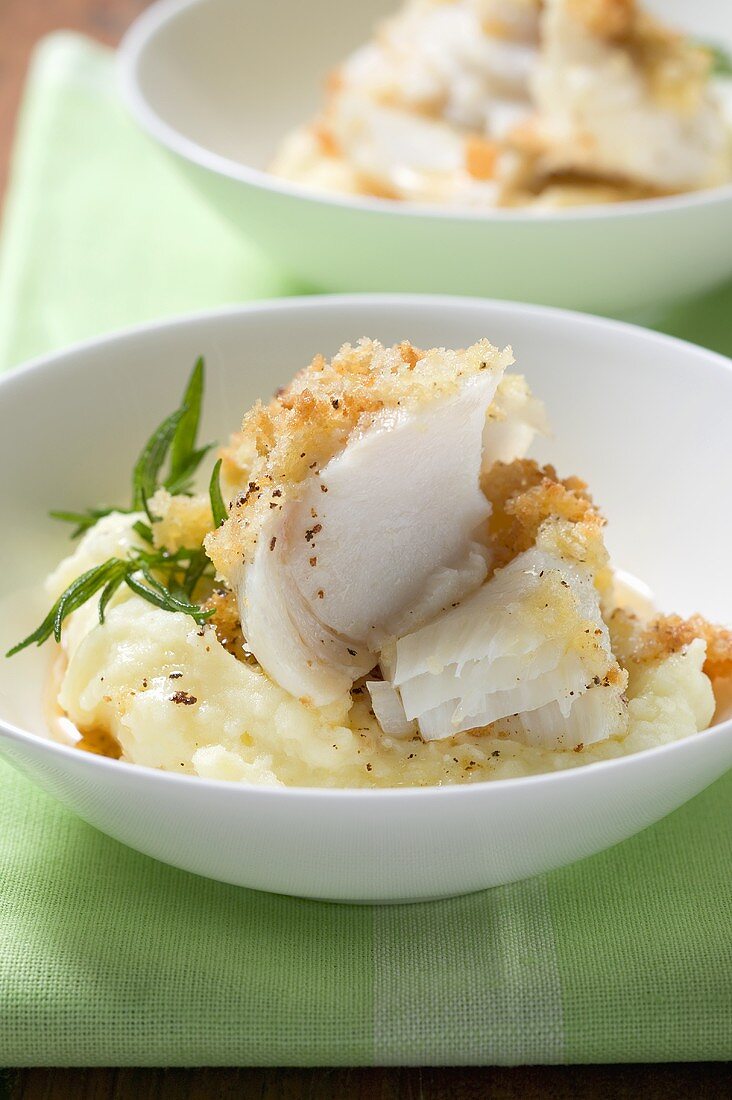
(100, 229)
(107, 957)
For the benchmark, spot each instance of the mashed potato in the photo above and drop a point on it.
(174, 697)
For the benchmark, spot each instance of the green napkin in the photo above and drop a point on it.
(100, 230)
(107, 957)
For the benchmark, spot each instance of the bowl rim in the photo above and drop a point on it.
(325, 303)
(141, 35)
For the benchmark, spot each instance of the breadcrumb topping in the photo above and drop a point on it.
(648, 642)
(531, 503)
(237, 460)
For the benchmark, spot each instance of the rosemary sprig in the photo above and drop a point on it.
(137, 573)
(156, 593)
(198, 567)
(173, 440)
(83, 520)
(184, 457)
(143, 530)
(166, 579)
(145, 476)
(108, 591)
(78, 592)
(218, 507)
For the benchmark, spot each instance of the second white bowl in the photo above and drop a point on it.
(220, 82)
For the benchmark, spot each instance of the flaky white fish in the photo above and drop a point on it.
(363, 515)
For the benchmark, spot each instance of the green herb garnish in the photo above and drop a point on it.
(218, 508)
(146, 474)
(83, 520)
(78, 592)
(184, 458)
(143, 530)
(174, 439)
(109, 577)
(165, 579)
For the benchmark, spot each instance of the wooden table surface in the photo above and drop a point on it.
(22, 23)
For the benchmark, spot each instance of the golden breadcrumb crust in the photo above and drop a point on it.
(481, 157)
(648, 642)
(308, 422)
(237, 460)
(527, 499)
(530, 503)
(532, 506)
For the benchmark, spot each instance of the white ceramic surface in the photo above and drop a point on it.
(639, 415)
(220, 82)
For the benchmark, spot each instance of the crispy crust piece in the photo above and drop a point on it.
(525, 497)
(532, 506)
(677, 69)
(645, 643)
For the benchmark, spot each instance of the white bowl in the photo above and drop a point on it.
(639, 415)
(220, 82)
